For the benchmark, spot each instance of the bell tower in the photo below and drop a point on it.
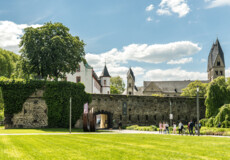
(130, 82)
(216, 64)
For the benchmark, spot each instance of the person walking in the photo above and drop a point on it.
(167, 127)
(160, 127)
(191, 125)
(120, 125)
(180, 127)
(174, 128)
(164, 130)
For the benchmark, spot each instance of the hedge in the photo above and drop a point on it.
(56, 95)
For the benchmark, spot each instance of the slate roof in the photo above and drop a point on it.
(170, 86)
(105, 72)
(131, 73)
(215, 50)
(96, 78)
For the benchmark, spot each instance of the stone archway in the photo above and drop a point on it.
(106, 119)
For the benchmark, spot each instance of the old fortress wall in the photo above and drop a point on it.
(130, 110)
(145, 110)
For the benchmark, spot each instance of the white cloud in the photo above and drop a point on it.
(164, 12)
(149, 8)
(10, 34)
(181, 61)
(174, 74)
(176, 6)
(149, 19)
(227, 72)
(155, 53)
(217, 3)
(203, 60)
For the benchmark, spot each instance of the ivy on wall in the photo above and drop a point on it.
(56, 95)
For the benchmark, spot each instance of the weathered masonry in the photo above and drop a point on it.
(130, 110)
(145, 110)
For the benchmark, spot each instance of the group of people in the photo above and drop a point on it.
(164, 128)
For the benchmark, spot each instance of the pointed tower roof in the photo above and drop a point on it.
(131, 73)
(214, 52)
(105, 72)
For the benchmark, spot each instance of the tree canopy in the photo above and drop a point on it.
(217, 95)
(191, 89)
(8, 62)
(117, 85)
(50, 50)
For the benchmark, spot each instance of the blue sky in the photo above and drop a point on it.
(159, 39)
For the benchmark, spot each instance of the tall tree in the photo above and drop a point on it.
(191, 89)
(8, 61)
(117, 85)
(50, 50)
(217, 96)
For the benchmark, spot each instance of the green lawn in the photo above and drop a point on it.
(44, 130)
(113, 146)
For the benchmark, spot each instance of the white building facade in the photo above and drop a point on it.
(86, 75)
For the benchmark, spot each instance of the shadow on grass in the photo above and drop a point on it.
(43, 130)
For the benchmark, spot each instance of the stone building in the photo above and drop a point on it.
(216, 64)
(93, 84)
(131, 88)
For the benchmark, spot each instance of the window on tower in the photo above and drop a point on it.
(221, 72)
(216, 72)
(104, 82)
(78, 79)
(129, 84)
(218, 63)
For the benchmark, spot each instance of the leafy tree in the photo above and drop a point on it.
(1, 106)
(8, 61)
(217, 96)
(114, 90)
(50, 50)
(117, 85)
(191, 89)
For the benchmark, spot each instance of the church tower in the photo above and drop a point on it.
(105, 81)
(130, 82)
(216, 64)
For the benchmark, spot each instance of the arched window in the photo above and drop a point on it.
(218, 63)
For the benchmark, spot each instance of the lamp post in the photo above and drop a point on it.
(70, 114)
(170, 115)
(198, 112)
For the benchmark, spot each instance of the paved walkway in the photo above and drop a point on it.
(114, 131)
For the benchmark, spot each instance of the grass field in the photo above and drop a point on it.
(113, 146)
(44, 130)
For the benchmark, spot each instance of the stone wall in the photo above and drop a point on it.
(130, 110)
(145, 110)
(33, 115)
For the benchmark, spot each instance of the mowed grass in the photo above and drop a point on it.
(43, 130)
(113, 146)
